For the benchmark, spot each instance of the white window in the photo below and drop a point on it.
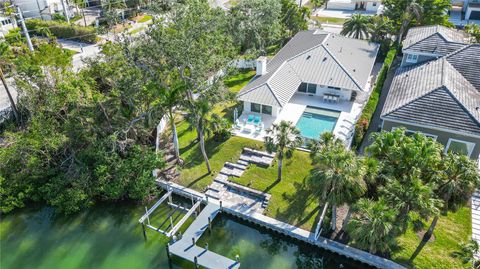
(459, 146)
(412, 58)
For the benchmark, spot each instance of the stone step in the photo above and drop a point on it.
(221, 178)
(235, 166)
(244, 163)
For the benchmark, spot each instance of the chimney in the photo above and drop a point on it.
(261, 65)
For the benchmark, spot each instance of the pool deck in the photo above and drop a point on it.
(185, 248)
(269, 223)
(293, 110)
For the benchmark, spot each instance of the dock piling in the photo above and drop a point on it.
(144, 231)
(209, 224)
(193, 240)
(168, 252)
(195, 259)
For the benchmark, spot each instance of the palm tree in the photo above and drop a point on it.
(413, 11)
(197, 116)
(170, 98)
(467, 252)
(455, 186)
(373, 225)
(283, 139)
(357, 26)
(379, 29)
(407, 194)
(338, 174)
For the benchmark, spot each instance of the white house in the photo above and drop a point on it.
(366, 5)
(318, 81)
(42, 9)
(465, 11)
(6, 24)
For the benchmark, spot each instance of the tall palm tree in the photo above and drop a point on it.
(338, 174)
(197, 116)
(454, 187)
(409, 194)
(373, 225)
(357, 26)
(170, 98)
(413, 10)
(283, 139)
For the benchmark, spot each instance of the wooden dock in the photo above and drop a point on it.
(185, 248)
(264, 221)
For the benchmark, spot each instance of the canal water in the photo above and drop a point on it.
(109, 236)
(259, 248)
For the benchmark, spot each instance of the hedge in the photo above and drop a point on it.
(363, 122)
(63, 30)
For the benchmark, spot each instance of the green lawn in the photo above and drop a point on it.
(238, 81)
(293, 201)
(451, 230)
(328, 20)
(137, 30)
(145, 18)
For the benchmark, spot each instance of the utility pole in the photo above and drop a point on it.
(12, 103)
(24, 28)
(65, 11)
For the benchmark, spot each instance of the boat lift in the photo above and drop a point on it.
(170, 230)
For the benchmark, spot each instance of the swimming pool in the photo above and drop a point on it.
(315, 121)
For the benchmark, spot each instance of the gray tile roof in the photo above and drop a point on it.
(467, 62)
(434, 39)
(315, 57)
(434, 94)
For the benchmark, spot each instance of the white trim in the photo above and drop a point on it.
(409, 51)
(468, 143)
(431, 127)
(411, 58)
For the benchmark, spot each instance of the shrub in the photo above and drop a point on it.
(63, 30)
(14, 37)
(367, 113)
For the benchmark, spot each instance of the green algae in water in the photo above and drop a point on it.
(105, 236)
(260, 248)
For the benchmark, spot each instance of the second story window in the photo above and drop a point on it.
(412, 58)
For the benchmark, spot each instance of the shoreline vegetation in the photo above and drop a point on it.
(85, 138)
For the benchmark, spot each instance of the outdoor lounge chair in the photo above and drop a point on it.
(237, 125)
(250, 119)
(257, 120)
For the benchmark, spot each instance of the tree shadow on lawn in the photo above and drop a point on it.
(298, 203)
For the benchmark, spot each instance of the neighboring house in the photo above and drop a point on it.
(318, 81)
(6, 24)
(439, 98)
(368, 5)
(470, 8)
(431, 42)
(42, 9)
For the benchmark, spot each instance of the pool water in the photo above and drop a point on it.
(260, 248)
(316, 121)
